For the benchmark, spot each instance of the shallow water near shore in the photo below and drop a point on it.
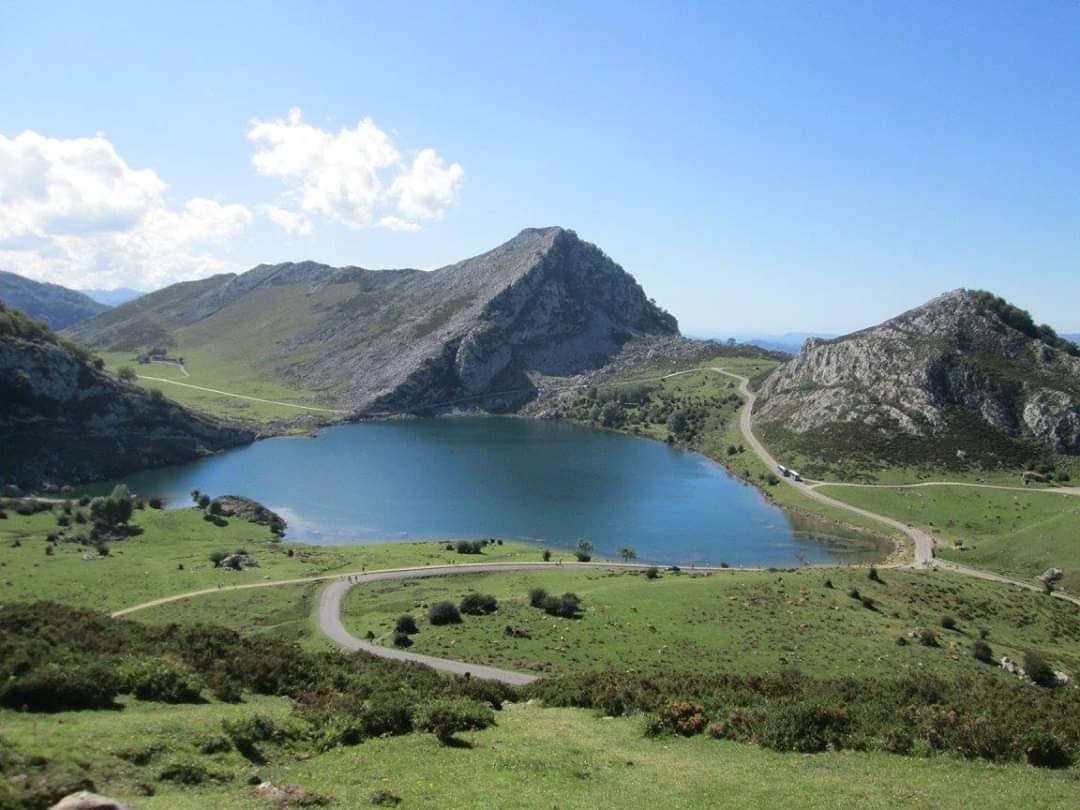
(545, 481)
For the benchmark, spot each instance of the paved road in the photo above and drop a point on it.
(331, 625)
(924, 541)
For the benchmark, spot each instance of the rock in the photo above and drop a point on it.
(247, 509)
(237, 562)
(289, 795)
(84, 800)
(1051, 575)
(962, 363)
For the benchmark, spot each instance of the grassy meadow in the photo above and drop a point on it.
(1016, 533)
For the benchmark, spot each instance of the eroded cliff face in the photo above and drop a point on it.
(914, 375)
(62, 420)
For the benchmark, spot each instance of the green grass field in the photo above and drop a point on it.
(211, 370)
(749, 622)
(1016, 533)
(533, 758)
(172, 556)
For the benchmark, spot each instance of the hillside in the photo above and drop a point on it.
(544, 303)
(966, 378)
(62, 418)
(57, 306)
(113, 297)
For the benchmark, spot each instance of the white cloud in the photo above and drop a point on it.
(425, 190)
(73, 212)
(289, 221)
(354, 176)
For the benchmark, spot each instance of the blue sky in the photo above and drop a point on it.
(759, 167)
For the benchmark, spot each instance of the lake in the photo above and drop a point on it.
(544, 481)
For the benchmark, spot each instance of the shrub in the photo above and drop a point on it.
(156, 502)
(406, 624)
(868, 603)
(547, 555)
(477, 604)
(446, 717)
(159, 680)
(565, 606)
(384, 798)
(981, 651)
(127, 374)
(203, 501)
(114, 509)
(652, 572)
(1046, 751)
(184, 773)
(58, 687)
(402, 640)
(469, 547)
(948, 622)
(806, 728)
(927, 637)
(537, 597)
(873, 574)
(854, 593)
(583, 552)
(217, 556)
(684, 717)
(444, 613)
(1038, 670)
(827, 583)
(63, 520)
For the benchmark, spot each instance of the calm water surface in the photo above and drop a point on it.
(473, 477)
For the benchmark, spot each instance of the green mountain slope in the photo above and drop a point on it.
(57, 306)
(544, 303)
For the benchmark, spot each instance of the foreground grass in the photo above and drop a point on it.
(171, 555)
(747, 622)
(533, 758)
(1016, 533)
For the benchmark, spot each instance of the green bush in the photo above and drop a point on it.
(402, 640)
(478, 604)
(948, 622)
(469, 547)
(684, 717)
(446, 717)
(565, 606)
(982, 651)
(537, 596)
(652, 572)
(159, 680)
(406, 624)
(807, 728)
(1038, 670)
(58, 687)
(444, 613)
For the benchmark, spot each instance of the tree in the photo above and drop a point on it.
(584, 550)
(114, 509)
(1038, 670)
(627, 553)
(204, 501)
(406, 624)
(444, 613)
(678, 424)
(127, 374)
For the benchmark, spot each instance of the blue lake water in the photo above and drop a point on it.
(474, 477)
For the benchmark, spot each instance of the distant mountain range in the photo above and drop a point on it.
(114, 297)
(967, 377)
(482, 330)
(57, 306)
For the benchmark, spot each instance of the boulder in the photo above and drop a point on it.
(84, 800)
(288, 795)
(1051, 575)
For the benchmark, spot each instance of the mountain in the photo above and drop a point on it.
(63, 419)
(789, 342)
(545, 303)
(58, 306)
(114, 297)
(965, 378)
(1073, 336)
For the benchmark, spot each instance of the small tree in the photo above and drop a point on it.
(444, 613)
(627, 553)
(204, 501)
(1038, 670)
(547, 555)
(583, 551)
(652, 572)
(406, 624)
(445, 717)
(477, 604)
(537, 596)
(127, 374)
(982, 651)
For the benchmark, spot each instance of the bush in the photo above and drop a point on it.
(446, 717)
(402, 640)
(537, 597)
(384, 798)
(547, 555)
(115, 509)
(157, 679)
(444, 613)
(58, 687)
(1046, 751)
(873, 574)
(981, 651)
(684, 717)
(652, 572)
(805, 728)
(927, 638)
(583, 552)
(469, 547)
(156, 502)
(565, 606)
(854, 593)
(217, 556)
(406, 624)
(476, 604)
(127, 374)
(1038, 670)
(948, 622)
